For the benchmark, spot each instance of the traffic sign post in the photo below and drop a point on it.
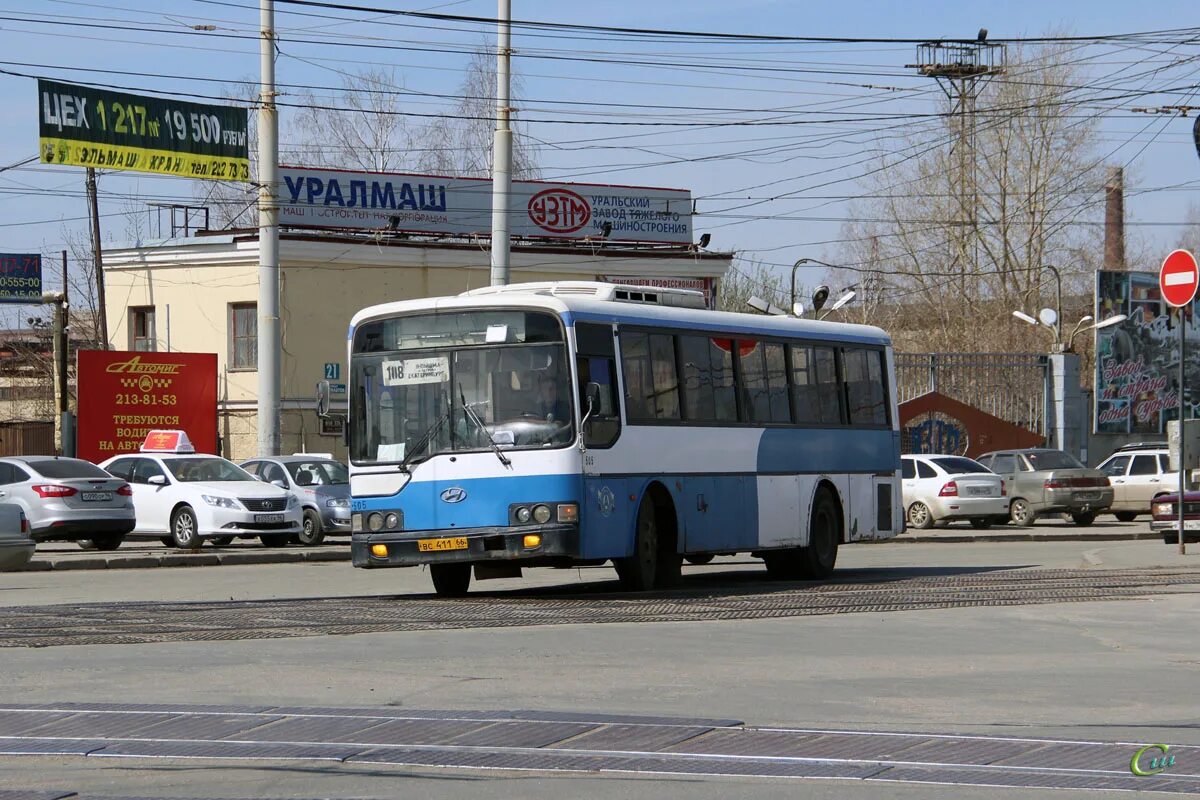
(1177, 281)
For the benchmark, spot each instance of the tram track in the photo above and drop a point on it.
(710, 597)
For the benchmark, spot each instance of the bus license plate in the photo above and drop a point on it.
(96, 497)
(268, 517)
(435, 545)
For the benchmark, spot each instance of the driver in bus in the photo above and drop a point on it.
(550, 406)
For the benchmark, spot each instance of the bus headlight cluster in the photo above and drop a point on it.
(543, 513)
(384, 520)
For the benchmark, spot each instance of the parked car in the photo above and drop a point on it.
(1139, 473)
(1164, 517)
(320, 484)
(68, 499)
(1044, 481)
(16, 545)
(186, 498)
(939, 488)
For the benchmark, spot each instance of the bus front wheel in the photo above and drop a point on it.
(655, 561)
(450, 580)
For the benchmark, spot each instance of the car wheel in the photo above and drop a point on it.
(1020, 513)
(185, 533)
(221, 541)
(1084, 519)
(981, 523)
(1125, 516)
(450, 580)
(274, 539)
(109, 541)
(919, 516)
(311, 534)
(699, 559)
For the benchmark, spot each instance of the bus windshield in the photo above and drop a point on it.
(412, 404)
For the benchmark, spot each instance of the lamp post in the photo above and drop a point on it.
(799, 263)
(1062, 368)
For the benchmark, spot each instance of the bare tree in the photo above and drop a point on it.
(958, 276)
(462, 143)
(751, 279)
(362, 127)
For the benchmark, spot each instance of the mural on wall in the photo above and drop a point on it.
(1137, 361)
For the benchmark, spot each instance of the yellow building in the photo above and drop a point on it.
(199, 294)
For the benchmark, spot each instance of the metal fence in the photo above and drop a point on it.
(1012, 386)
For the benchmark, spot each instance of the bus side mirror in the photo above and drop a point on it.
(592, 393)
(323, 398)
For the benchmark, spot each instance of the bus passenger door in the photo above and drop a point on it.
(605, 510)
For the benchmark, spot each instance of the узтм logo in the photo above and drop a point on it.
(1155, 765)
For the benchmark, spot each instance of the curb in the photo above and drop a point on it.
(1024, 537)
(178, 559)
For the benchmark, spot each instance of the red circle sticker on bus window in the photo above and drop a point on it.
(559, 210)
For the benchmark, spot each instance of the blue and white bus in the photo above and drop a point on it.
(573, 423)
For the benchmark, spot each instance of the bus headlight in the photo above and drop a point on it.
(541, 514)
(392, 520)
(375, 522)
(523, 515)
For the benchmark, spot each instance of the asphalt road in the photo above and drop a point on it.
(1112, 670)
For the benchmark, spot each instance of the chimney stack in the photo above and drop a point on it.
(1114, 219)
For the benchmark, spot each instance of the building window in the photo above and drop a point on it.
(243, 336)
(141, 330)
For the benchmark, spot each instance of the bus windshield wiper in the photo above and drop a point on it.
(471, 415)
(426, 437)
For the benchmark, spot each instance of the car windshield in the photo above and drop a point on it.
(1051, 459)
(957, 465)
(191, 470)
(318, 473)
(67, 468)
(411, 405)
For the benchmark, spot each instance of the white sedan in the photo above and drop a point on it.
(945, 488)
(187, 498)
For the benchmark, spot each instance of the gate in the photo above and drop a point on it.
(970, 403)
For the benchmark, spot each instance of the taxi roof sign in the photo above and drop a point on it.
(168, 442)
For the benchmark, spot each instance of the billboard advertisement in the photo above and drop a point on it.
(84, 126)
(125, 395)
(20, 278)
(323, 198)
(1137, 361)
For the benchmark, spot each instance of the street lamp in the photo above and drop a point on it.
(1051, 318)
(799, 263)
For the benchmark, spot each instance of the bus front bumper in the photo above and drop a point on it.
(404, 548)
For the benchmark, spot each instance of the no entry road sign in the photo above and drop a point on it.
(1178, 278)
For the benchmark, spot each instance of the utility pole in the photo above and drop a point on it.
(97, 257)
(502, 148)
(268, 240)
(959, 69)
(62, 332)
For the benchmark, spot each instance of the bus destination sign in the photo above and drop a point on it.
(87, 127)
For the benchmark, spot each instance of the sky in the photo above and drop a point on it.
(774, 192)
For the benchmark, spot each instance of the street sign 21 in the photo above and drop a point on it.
(333, 371)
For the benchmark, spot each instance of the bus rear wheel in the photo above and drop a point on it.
(450, 580)
(816, 559)
(824, 533)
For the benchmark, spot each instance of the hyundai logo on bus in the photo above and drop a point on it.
(455, 494)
